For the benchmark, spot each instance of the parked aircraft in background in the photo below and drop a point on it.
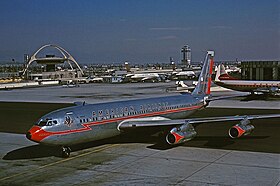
(139, 76)
(230, 69)
(181, 87)
(266, 87)
(151, 77)
(136, 75)
(88, 122)
(184, 75)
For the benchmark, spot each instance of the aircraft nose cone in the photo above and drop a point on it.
(28, 135)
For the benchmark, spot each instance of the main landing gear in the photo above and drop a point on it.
(65, 152)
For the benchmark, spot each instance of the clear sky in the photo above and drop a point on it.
(141, 31)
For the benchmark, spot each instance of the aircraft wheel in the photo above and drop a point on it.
(65, 152)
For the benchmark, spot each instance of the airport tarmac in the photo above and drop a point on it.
(91, 93)
(135, 163)
(96, 93)
(209, 159)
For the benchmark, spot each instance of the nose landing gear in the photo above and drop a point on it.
(65, 152)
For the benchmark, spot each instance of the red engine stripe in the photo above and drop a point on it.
(178, 137)
(240, 131)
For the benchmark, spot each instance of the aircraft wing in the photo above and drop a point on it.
(162, 121)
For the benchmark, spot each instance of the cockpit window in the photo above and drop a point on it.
(42, 123)
(47, 122)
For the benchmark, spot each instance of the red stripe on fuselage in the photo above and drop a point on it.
(227, 77)
(39, 134)
(245, 84)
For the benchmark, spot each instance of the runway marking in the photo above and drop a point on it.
(61, 161)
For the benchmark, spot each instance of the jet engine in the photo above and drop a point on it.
(241, 129)
(180, 134)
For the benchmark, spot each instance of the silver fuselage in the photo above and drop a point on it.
(248, 86)
(91, 122)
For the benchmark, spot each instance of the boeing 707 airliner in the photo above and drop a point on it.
(266, 87)
(89, 122)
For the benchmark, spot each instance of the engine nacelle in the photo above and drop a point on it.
(241, 129)
(180, 134)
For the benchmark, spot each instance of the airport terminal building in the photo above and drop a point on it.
(260, 70)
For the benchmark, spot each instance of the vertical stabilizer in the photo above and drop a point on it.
(221, 74)
(218, 73)
(204, 80)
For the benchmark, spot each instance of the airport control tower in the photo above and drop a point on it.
(186, 51)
